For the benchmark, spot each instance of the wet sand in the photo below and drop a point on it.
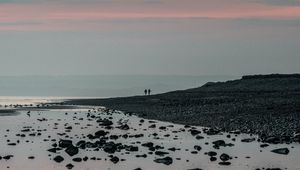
(108, 139)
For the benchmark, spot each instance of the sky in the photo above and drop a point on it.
(149, 37)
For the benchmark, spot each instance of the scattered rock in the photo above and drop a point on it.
(219, 143)
(224, 157)
(65, 143)
(77, 159)
(69, 166)
(224, 163)
(115, 159)
(124, 127)
(7, 157)
(141, 156)
(283, 151)
(248, 140)
(264, 145)
(212, 159)
(58, 159)
(197, 147)
(100, 133)
(195, 132)
(198, 137)
(72, 150)
(166, 160)
(212, 153)
(105, 122)
(161, 153)
(53, 150)
(148, 144)
(110, 147)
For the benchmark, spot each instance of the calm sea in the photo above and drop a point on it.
(97, 86)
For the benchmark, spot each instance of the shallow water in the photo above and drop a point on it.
(36, 146)
(27, 100)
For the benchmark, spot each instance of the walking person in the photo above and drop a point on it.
(145, 91)
(149, 91)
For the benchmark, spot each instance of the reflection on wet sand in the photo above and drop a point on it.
(63, 137)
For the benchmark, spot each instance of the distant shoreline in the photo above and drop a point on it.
(8, 112)
(97, 86)
(13, 111)
(267, 105)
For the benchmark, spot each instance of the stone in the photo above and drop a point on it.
(65, 143)
(115, 159)
(197, 147)
(100, 133)
(124, 127)
(195, 132)
(77, 159)
(161, 153)
(224, 163)
(106, 122)
(72, 150)
(53, 150)
(212, 153)
(166, 160)
(224, 157)
(198, 137)
(283, 151)
(264, 145)
(69, 166)
(141, 156)
(58, 159)
(110, 147)
(248, 140)
(148, 144)
(212, 159)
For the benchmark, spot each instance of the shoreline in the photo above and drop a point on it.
(95, 137)
(265, 105)
(14, 111)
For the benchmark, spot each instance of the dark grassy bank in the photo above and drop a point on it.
(262, 104)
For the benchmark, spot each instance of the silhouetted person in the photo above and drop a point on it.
(145, 91)
(28, 113)
(149, 91)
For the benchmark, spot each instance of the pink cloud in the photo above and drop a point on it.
(54, 16)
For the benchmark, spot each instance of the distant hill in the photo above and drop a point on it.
(272, 82)
(268, 105)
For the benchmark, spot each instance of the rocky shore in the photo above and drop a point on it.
(267, 105)
(89, 138)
